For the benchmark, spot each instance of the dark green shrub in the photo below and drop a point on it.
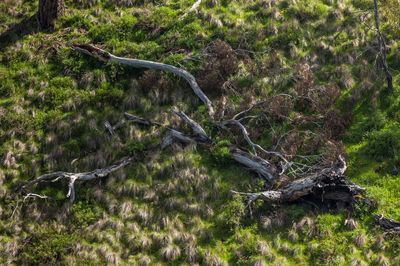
(47, 247)
(84, 214)
(221, 153)
(384, 143)
(376, 121)
(363, 4)
(229, 219)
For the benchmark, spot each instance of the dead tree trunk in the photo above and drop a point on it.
(49, 11)
(382, 48)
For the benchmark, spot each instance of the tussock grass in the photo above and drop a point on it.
(170, 253)
(360, 240)
(54, 102)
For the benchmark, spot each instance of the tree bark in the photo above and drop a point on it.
(49, 11)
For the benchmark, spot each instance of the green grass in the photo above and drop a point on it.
(54, 101)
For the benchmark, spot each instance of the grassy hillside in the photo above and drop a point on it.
(174, 207)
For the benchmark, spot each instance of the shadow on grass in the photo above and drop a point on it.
(17, 31)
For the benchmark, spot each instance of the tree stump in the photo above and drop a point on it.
(48, 13)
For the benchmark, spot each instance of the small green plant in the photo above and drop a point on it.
(384, 143)
(229, 219)
(84, 214)
(221, 153)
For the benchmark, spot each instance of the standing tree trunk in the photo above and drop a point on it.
(382, 48)
(49, 11)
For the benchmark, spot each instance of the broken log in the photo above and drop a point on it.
(388, 224)
(329, 183)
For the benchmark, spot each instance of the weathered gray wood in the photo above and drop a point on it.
(256, 164)
(390, 225)
(329, 177)
(106, 56)
(73, 177)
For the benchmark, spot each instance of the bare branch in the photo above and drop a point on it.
(195, 127)
(193, 8)
(141, 120)
(85, 176)
(108, 57)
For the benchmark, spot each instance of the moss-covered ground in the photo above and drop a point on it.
(175, 207)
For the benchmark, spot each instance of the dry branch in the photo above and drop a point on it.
(73, 177)
(108, 57)
(262, 167)
(191, 9)
(390, 225)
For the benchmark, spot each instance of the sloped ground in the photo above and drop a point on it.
(174, 207)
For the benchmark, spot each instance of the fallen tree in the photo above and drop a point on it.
(286, 179)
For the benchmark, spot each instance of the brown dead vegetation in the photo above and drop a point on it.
(220, 63)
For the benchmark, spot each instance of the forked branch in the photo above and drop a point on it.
(73, 177)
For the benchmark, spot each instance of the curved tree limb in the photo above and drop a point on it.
(138, 63)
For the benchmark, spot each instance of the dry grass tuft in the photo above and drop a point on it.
(263, 247)
(314, 246)
(285, 247)
(357, 262)
(165, 222)
(171, 253)
(265, 222)
(111, 258)
(156, 86)
(382, 260)
(144, 260)
(259, 262)
(212, 260)
(191, 254)
(143, 242)
(360, 240)
(293, 236)
(379, 243)
(9, 160)
(351, 224)
(126, 209)
(161, 240)
(11, 248)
